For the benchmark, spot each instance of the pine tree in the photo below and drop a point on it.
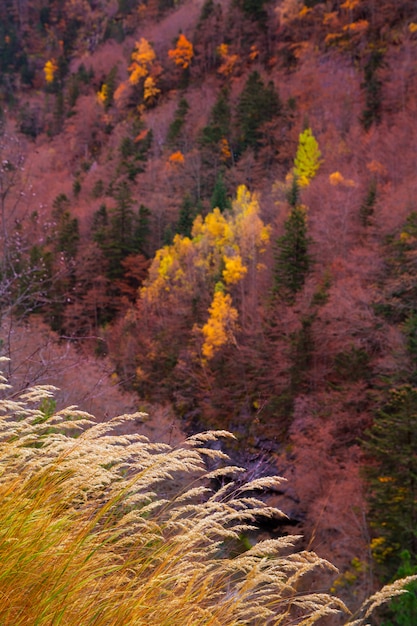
(257, 104)
(176, 126)
(186, 217)
(367, 208)
(292, 258)
(142, 230)
(372, 86)
(391, 444)
(219, 197)
(67, 234)
(219, 122)
(254, 9)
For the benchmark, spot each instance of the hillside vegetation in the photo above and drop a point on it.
(215, 200)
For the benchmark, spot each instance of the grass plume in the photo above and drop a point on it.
(104, 529)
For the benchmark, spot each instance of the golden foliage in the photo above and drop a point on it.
(358, 27)
(350, 4)
(332, 38)
(176, 158)
(142, 58)
(304, 11)
(223, 244)
(234, 270)
(336, 178)
(254, 53)
(183, 52)
(330, 19)
(215, 229)
(223, 50)
(168, 271)
(150, 90)
(228, 60)
(103, 94)
(221, 323)
(50, 69)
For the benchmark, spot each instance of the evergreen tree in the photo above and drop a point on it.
(186, 217)
(121, 230)
(219, 197)
(254, 9)
(176, 126)
(219, 122)
(99, 227)
(292, 258)
(391, 444)
(134, 152)
(67, 233)
(142, 230)
(367, 208)
(372, 86)
(257, 104)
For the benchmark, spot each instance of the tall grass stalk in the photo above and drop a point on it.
(111, 530)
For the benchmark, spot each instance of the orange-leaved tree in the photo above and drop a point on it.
(183, 52)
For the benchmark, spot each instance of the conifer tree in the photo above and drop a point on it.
(219, 197)
(219, 122)
(391, 443)
(255, 10)
(257, 104)
(67, 234)
(372, 86)
(142, 230)
(292, 258)
(186, 217)
(176, 126)
(367, 208)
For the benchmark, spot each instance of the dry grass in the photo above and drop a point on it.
(92, 533)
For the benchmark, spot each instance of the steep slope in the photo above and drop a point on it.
(153, 114)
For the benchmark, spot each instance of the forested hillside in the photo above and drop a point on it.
(207, 211)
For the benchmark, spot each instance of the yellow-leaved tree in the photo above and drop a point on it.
(50, 69)
(220, 326)
(142, 58)
(150, 90)
(308, 158)
(201, 290)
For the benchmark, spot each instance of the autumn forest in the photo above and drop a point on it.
(208, 215)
